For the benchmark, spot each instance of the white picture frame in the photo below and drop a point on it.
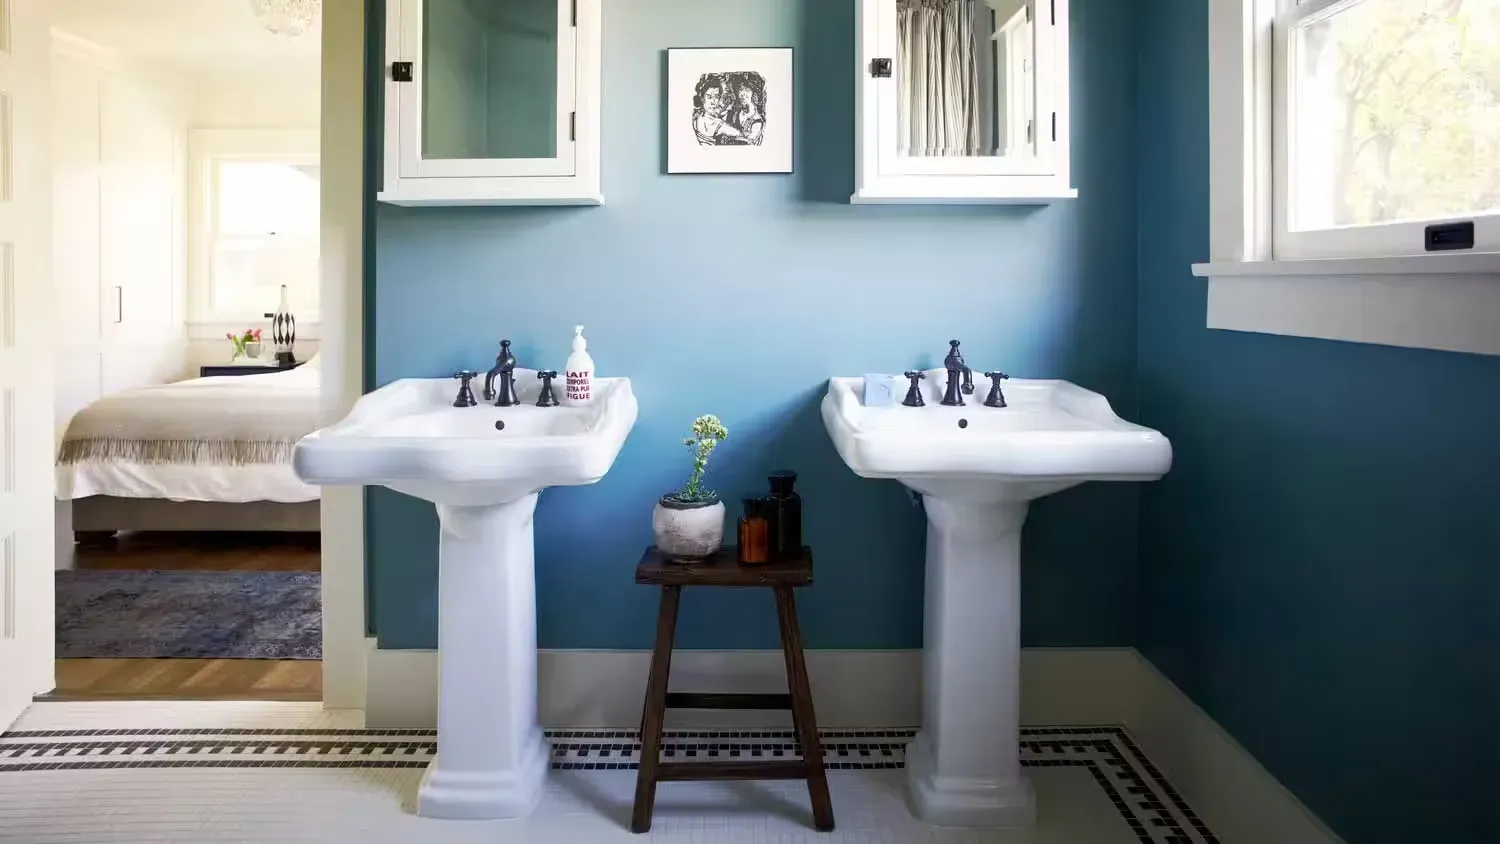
(729, 110)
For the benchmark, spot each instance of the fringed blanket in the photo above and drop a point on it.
(210, 422)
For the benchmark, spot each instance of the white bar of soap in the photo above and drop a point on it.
(880, 390)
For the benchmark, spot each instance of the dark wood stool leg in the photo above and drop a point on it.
(655, 710)
(802, 709)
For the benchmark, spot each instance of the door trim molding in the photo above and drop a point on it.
(342, 322)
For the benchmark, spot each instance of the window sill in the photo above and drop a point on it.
(1448, 302)
(1450, 263)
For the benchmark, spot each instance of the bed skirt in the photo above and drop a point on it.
(107, 514)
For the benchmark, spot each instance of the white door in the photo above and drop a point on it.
(26, 321)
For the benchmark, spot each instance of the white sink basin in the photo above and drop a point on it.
(482, 467)
(978, 468)
(408, 436)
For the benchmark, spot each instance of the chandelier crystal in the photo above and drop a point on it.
(286, 17)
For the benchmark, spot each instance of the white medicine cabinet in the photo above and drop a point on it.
(492, 103)
(962, 101)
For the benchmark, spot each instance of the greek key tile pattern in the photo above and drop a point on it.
(1145, 801)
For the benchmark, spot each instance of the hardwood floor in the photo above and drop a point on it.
(188, 679)
(195, 679)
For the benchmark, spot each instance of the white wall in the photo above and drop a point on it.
(279, 99)
(119, 233)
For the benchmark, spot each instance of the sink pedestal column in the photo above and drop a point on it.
(492, 758)
(964, 767)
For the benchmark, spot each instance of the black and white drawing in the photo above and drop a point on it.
(729, 111)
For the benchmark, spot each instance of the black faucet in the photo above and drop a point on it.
(954, 363)
(465, 394)
(996, 397)
(505, 367)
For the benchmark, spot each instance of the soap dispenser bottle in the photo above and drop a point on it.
(580, 372)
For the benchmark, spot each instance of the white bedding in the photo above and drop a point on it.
(227, 483)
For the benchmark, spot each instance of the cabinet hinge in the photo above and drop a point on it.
(1054, 12)
(572, 125)
(1054, 127)
(401, 71)
(880, 68)
(575, 12)
(1030, 131)
(1028, 13)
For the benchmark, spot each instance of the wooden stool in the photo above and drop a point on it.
(722, 570)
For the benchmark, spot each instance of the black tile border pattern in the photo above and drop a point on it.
(1146, 801)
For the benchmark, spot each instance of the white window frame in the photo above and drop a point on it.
(1437, 300)
(205, 148)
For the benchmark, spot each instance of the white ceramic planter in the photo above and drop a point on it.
(686, 532)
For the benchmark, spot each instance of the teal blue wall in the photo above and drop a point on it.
(739, 295)
(1321, 569)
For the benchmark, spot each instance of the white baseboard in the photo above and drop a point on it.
(1229, 789)
(1238, 798)
(604, 689)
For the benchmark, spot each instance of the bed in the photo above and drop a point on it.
(207, 454)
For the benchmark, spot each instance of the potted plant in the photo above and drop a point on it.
(689, 524)
(246, 344)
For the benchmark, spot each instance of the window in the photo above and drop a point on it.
(264, 235)
(1386, 118)
(1339, 130)
(257, 225)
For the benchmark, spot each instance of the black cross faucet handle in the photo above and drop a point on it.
(546, 399)
(996, 398)
(465, 392)
(914, 393)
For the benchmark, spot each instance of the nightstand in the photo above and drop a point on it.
(243, 369)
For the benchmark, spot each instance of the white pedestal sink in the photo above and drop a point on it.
(978, 468)
(482, 467)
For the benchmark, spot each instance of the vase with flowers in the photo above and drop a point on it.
(688, 525)
(246, 344)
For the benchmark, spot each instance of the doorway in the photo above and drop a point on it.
(186, 203)
(27, 345)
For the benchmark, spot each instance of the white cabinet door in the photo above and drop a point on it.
(74, 142)
(492, 103)
(139, 191)
(491, 92)
(962, 101)
(26, 331)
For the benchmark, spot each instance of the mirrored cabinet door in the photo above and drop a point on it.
(963, 96)
(490, 88)
(492, 102)
(964, 88)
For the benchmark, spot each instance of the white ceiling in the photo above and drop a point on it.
(192, 36)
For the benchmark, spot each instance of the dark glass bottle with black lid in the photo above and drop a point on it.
(784, 512)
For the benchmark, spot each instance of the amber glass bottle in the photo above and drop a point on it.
(755, 534)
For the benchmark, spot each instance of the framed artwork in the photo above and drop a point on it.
(729, 111)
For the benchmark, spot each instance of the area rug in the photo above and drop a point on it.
(191, 614)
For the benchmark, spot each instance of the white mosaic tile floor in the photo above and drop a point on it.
(256, 772)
